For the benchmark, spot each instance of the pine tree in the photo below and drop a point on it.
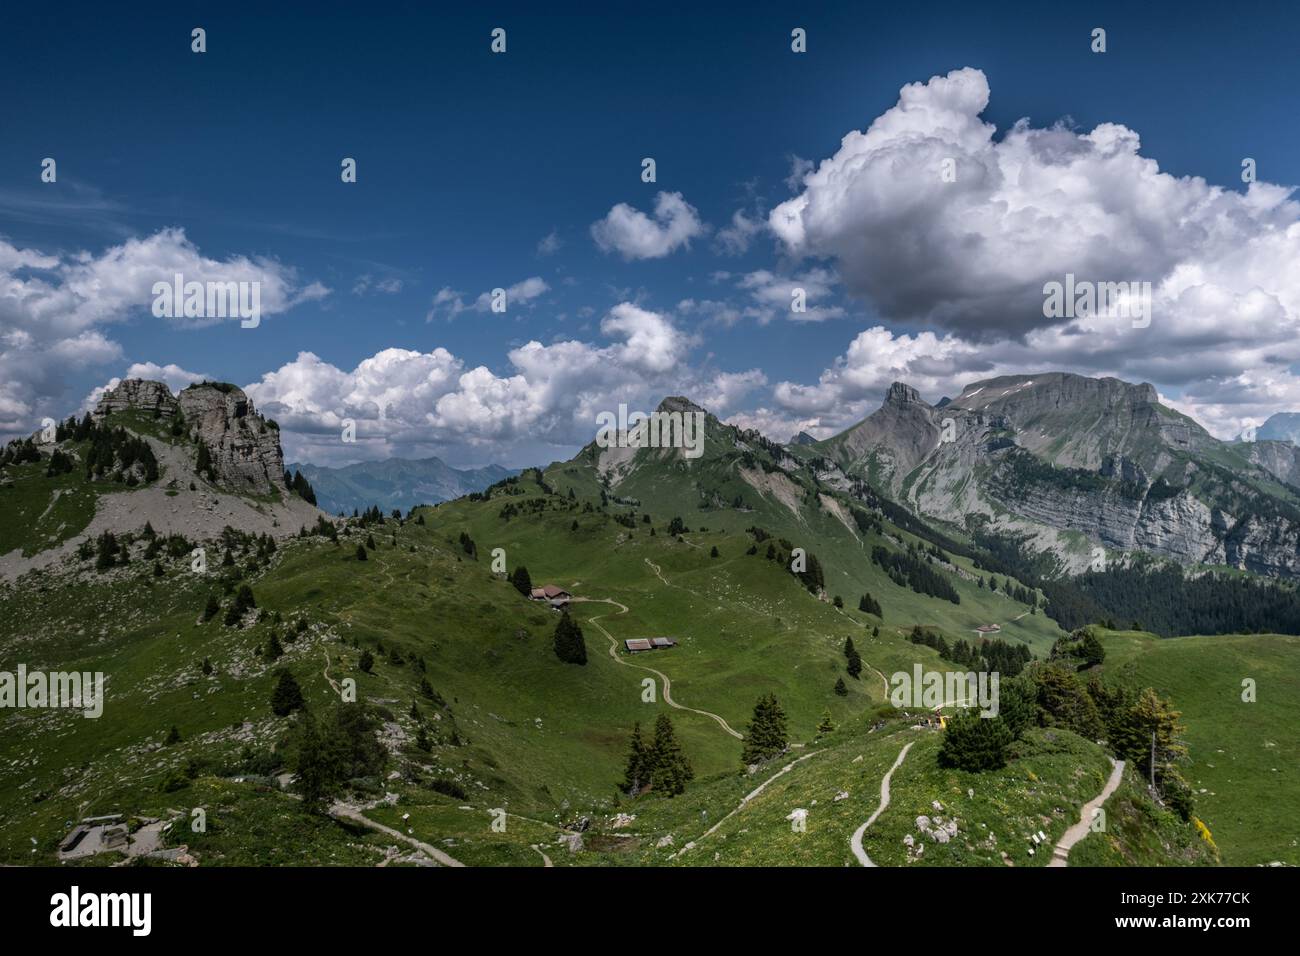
(207, 667)
(854, 659)
(316, 763)
(840, 689)
(636, 776)
(975, 743)
(826, 725)
(370, 542)
(361, 552)
(714, 553)
(1091, 650)
(366, 662)
(287, 696)
(522, 581)
(274, 650)
(173, 736)
(211, 608)
(670, 771)
(1130, 737)
(242, 603)
(570, 646)
(875, 632)
(766, 736)
(1064, 702)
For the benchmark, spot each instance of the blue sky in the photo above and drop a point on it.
(467, 161)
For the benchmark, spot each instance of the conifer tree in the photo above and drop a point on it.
(315, 763)
(570, 646)
(1130, 735)
(854, 659)
(366, 662)
(826, 725)
(840, 689)
(242, 603)
(637, 773)
(522, 581)
(766, 736)
(287, 696)
(670, 771)
(975, 743)
(211, 608)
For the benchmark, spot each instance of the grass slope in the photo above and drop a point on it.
(1244, 757)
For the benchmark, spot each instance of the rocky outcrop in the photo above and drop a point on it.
(244, 447)
(1281, 459)
(888, 444)
(139, 394)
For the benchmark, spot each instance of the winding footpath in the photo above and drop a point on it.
(744, 801)
(856, 841)
(1061, 852)
(668, 684)
(356, 816)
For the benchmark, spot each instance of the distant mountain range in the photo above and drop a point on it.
(395, 483)
(1284, 426)
(1071, 463)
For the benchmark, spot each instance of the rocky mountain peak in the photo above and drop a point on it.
(243, 446)
(678, 403)
(902, 394)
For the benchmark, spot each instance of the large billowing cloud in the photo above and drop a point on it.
(634, 235)
(54, 310)
(972, 254)
(409, 403)
(965, 262)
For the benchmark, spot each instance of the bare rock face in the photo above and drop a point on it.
(137, 393)
(1053, 454)
(244, 446)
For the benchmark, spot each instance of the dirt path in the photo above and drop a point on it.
(744, 801)
(326, 673)
(1061, 852)
(856, 841)
(546, 860)
(347, 813)
(668, 684)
